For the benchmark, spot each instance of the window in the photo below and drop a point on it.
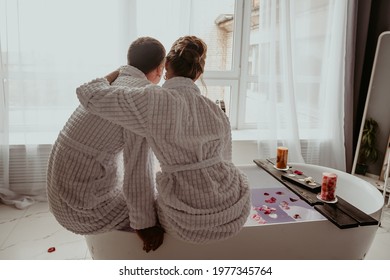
(238, 49)
(46, 66)
(219, 24)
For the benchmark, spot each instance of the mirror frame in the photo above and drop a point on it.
(381, 61)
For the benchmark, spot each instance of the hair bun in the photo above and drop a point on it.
(189, 51)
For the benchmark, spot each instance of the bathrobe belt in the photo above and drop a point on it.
(192, 166)
(100, 156)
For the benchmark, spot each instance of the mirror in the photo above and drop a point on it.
(377, 108)
(385, 168)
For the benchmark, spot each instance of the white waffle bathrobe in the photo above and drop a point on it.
(87, 192)
(202, 196)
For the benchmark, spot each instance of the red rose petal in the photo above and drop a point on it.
(271, 200)
(51, 249)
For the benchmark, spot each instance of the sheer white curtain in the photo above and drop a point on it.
(4, 147)
(301, 80)
(48, 48)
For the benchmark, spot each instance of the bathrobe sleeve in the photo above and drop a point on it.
(124, 106)
(128, 107)
(139, 181)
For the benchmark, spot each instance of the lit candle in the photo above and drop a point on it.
(281, 157)
(328, 187)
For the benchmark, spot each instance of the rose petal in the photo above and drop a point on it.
(51, 249)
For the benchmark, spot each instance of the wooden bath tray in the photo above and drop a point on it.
(305, 194)
(342, 213)
(345, 215)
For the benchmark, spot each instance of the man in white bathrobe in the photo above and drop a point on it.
(100, 176)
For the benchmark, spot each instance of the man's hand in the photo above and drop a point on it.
(152, 237)
(112, 76)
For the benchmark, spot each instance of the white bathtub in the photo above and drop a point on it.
(310, 237)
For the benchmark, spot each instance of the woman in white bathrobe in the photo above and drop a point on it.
(202, 196)
(100, 176)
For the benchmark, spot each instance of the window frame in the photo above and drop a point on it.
(234, 98)
(237, 78)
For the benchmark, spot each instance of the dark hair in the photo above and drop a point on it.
(187, 57)
(146, 54)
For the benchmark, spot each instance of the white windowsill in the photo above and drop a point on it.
(244, 135)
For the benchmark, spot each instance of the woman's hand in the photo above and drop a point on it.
(152, 237)
(112, 76)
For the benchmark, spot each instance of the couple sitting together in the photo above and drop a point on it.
(101, 172)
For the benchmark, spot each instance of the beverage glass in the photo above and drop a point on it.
(281, 157)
